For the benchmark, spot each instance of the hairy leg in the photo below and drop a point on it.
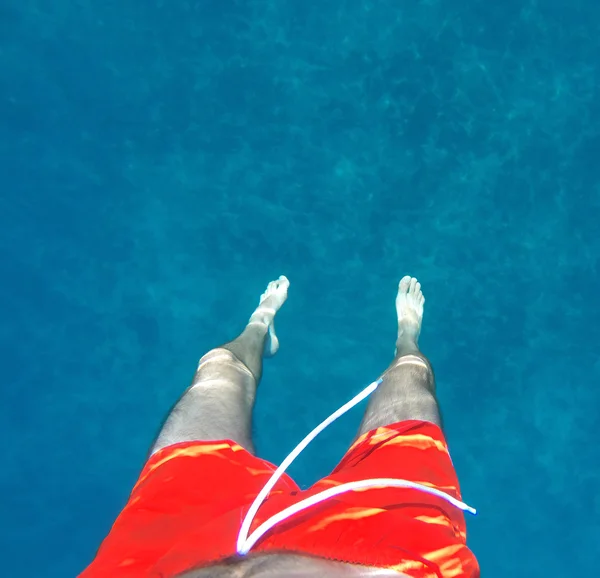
(408, 387)
(218, 404)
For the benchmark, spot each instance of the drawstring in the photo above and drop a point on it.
(245, 542)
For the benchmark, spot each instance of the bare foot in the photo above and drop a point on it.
(270, 302)
(409, 307)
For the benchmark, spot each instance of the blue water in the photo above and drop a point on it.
(160, 162)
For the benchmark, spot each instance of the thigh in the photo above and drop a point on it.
(406, 393)
(217, 406)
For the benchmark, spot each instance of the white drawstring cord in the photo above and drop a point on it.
(331, 492)
(245, 543)
(245, 528)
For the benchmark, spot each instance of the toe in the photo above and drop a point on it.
(404, 284)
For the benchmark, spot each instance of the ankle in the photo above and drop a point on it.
(256, 329)
(262, 316)
(406, 345)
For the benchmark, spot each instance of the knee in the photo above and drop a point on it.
(411, 371)
(223, 356)
(217, 353)
(220, 362)
(415, 360)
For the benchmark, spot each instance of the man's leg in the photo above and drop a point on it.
(408, 387)
(218, 405)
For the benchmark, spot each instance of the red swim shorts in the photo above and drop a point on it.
(187, 507)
